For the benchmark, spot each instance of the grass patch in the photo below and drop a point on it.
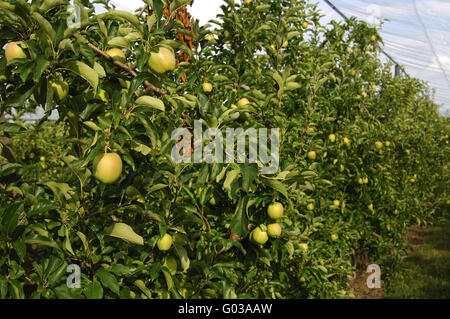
(426, 272)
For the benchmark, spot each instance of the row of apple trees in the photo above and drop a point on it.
(362, 154)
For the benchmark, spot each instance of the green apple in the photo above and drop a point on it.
(332, 138)
(60, 87)
(116, 54)
(107, 167)
(310, 207)
(305, 24)
(285, 44)
(212, 201)
(275, 210)
(336, 203)
(346, 142)
(243, 102)
(274, 230)
(209, 37)
(334, 237)
(14, 51)
(207, 87)
(165, 242)
(259, 236)
(162, 61)
(303, 247)
(373, 38)
(378, 145)
(312, 155)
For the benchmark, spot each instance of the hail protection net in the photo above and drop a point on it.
(416, 33)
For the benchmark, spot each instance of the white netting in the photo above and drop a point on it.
(417, 35)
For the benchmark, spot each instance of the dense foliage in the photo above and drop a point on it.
(353, 199)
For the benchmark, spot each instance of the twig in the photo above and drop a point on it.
(204, 218)
(142, 10)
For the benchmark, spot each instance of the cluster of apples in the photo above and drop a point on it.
(108, 166)
(14, 50)
(260, 234)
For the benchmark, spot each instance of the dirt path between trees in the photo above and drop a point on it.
(416, 237)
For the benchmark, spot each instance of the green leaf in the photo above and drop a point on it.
(124, 232)
(177, 4)
(231, 176)
(277, 185)
(239, 223)
(140, 284)
(108, 280)
(94, 291)
(182, 254)
(119, 42)
(120, 14)
(249, 173)
(10, 218)
(83, 70)
(44, 25)
(150, 102)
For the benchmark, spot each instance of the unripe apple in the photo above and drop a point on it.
(162, 61)
(165, 242)
(310, 207)
(14, 51)
(366, 180)
(373, 38)
(352, 72)
(243, 102)
(259, 236)
(334, 237)
(275, 210)
(303, 247)
(305, 24)
(346, 142)
(209, 37)
(332, 138)
(116, 54)
(387, 143)
(336, 203)
(349, 50)
(274, 230)
(360, 181)
(364, 94)
(312, 155)
(60, 87)
(378, 145)
(285, 44)
(212, 201)
(107, 167)
(341, 168)
(207, 87)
